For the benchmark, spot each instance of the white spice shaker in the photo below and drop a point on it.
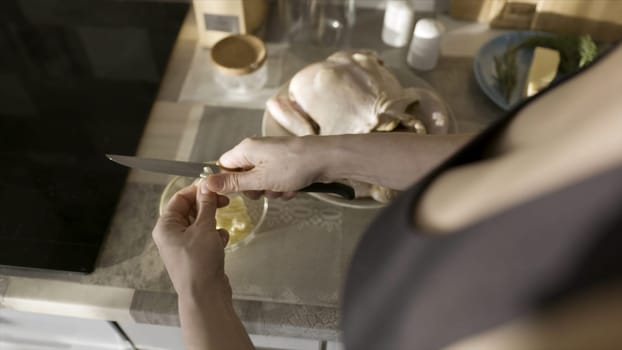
(398, 21)
(425, 45)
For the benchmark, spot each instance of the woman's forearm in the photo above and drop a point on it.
(394, 160)
(208, 321)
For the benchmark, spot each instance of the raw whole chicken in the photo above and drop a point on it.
(351, 92)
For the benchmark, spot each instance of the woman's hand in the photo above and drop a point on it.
(190, 246)
(273, 166)
(281, 165)
(193, 252)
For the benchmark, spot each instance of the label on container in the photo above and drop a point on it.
(222, 23)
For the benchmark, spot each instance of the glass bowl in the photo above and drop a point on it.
(242, 217)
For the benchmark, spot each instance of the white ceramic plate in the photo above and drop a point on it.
(430, 103)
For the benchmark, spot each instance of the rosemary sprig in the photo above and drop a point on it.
(505, 67)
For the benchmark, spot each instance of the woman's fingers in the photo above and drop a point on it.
(254, 195)
(288, 195)
(207, 202)
(237, 157)
(272, 195)
(224, 235)
(223, 201)
(181, 203)
(235, 182)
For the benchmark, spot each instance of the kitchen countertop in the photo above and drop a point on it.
(130, 283)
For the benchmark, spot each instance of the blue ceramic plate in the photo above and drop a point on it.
(485, 72)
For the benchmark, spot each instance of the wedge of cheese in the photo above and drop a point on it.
(542, 71)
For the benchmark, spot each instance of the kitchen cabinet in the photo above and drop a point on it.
(153, 337)
(331, 345)
(31, 331)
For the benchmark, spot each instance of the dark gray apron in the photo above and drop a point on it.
(408, 290)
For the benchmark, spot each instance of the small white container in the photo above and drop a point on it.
(398, 22)
(240, 63)
(425, 45)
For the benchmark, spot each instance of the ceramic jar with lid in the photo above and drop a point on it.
(240, 63)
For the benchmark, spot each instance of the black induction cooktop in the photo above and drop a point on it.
(77, 80)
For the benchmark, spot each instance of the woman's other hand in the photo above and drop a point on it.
(193, 252)
(190, 246)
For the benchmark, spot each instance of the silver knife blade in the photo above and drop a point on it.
(174, 167)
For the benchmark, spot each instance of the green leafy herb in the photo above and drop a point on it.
(588, 50)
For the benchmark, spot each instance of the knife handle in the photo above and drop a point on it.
(342, 190)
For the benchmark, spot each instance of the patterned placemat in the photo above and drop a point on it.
(301, 251)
